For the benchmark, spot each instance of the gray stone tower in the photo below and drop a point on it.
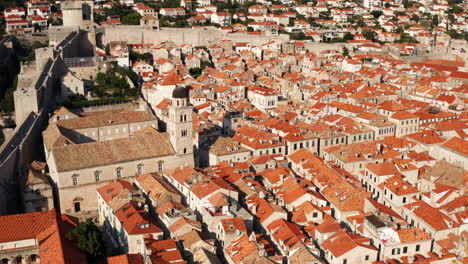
(180, 121)
(77, 13)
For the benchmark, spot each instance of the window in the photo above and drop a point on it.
(184, 133)
(405, 250)
(404, 199)
(345, 261)
(75, 180)
(418, 247)
(77, 207)
(160, 166)
(140, 169)
(118, 173)
(97, 176)
(367, 257)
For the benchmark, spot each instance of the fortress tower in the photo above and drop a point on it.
(77, 13)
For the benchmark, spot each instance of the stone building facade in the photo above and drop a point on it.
(89, 150)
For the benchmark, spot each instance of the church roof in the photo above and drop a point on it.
(89, 155)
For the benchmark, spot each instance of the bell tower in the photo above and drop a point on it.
(180, 122)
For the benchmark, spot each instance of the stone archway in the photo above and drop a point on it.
(19, 260)
(34, 259)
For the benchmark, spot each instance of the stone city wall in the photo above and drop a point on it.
(34, 100)
(198, 36)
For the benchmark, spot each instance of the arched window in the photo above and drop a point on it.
(140, 169)
(97, 176)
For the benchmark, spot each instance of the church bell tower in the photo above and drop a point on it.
(180, 122)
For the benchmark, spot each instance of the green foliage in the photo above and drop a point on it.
(345, 52)
(98, 18)
(376, 13)
(407, 3)
(457, 35)
(134, 56)
(171, 3)
(89, 239)
(178, 21)
(113, 83)
(298, 36)
(399, 30)
(195, 72)
(360, 23)
(456, 9)
(348, 36)
(55, 22)
(131, 19)
(325, 15)
(406, 38)
(26, 49)
(80, 102)
(249, 3)
(10, 3)
(435, 21)
(337, 40)
(369, 35)
(117, 10)
(229, 6)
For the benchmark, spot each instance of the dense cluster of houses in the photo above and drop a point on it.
(279, 152)
(26, 20)
(303, 157)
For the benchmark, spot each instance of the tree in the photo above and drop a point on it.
(456, 9)
(298, 36)
(345, 52)
(195, 72)
(135, 56)
(376, 13)
(369, 34)
(415, 18)
(131, 19)
(348, 36)
(89, 239)
(118, 10)
(435, 21)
